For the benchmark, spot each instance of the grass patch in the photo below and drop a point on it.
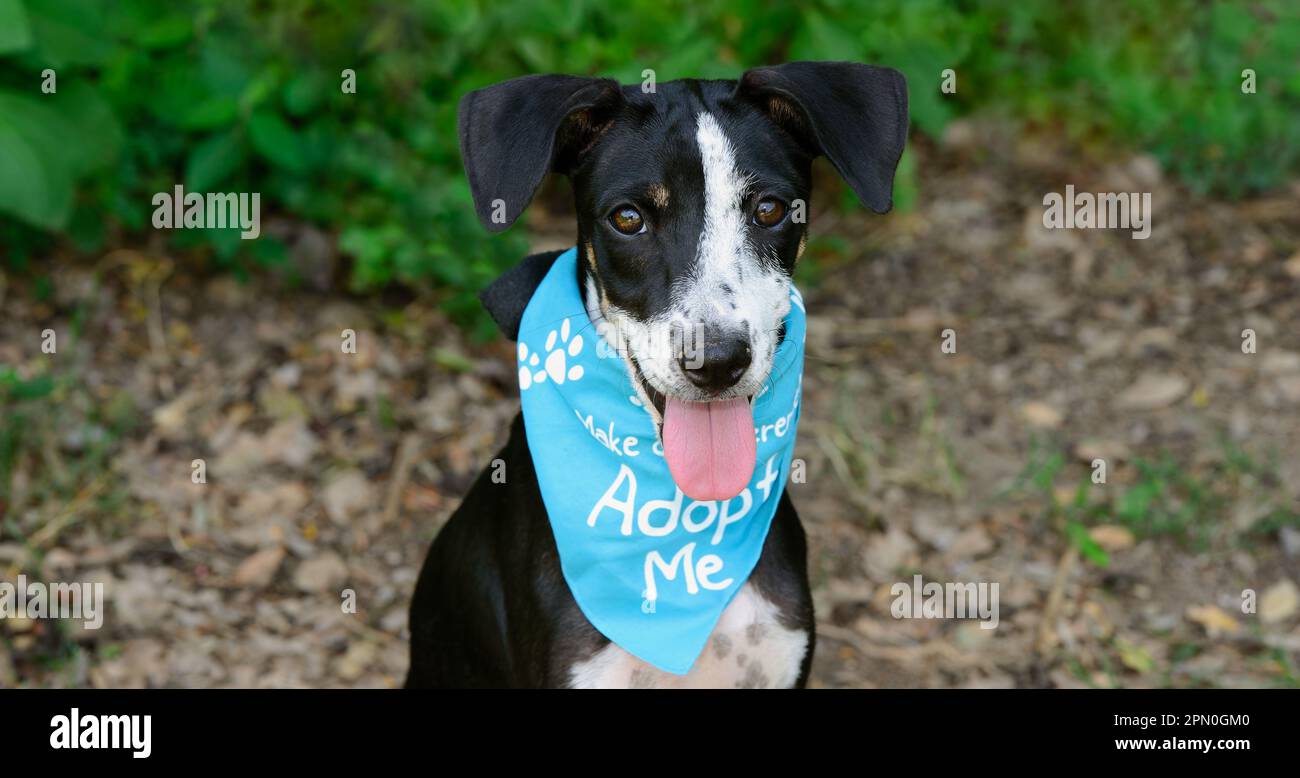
(1161, 496)
(57, 440)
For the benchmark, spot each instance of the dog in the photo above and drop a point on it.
(689, 199)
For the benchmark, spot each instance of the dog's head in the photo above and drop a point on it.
(690, 202)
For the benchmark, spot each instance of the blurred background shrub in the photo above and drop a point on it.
(245, 96)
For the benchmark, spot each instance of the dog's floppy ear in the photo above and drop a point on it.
(855, 115)
(513, 133)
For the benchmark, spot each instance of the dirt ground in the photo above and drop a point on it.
(328, 471)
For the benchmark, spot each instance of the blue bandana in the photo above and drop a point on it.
(650, 568)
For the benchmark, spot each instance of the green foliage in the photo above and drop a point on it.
(243, 96)
(55, 407)
(1165, 498)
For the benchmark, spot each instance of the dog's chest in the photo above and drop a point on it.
(749, 649)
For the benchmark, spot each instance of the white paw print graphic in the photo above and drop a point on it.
(532, 370)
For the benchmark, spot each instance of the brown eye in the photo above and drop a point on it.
(769, 213)
(627, 220)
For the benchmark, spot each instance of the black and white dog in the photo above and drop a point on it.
(689, 203)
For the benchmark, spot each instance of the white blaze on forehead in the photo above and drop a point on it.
(730, 283)
(723, 238)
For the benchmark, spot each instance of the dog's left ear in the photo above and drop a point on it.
(855, 115)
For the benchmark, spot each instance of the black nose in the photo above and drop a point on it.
(718, 364)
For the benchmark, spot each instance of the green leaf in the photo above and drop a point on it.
(209, 114)
(80, 106)
(259, 89)
(822, 39)
(68, 32)
(225, 65)
(1091, 550)
(276, 141)
(25, 190)
(15, 33)
(212, 161)
(86, 227)
(270, 252)
(166, 33)
(44, 153)
(1136, 502)
(34, 185)
(304, 93)
(30, 389)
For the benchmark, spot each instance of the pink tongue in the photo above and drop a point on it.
(710, 447)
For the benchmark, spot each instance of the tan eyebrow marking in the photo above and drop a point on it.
(659, 195)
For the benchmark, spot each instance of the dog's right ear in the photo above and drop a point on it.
(855, 115)
(513, 133)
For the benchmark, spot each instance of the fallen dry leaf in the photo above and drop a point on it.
(1041, 415)
(1214, 619)
(291, 442)
(259, 568)
(1293, 266)
(1135, 657)
(170, 418)
(1152, 391)
(1279, 602)
(1109, 450)
(1111, 537)
(325, 573)
(356, 660)
(348, 495)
